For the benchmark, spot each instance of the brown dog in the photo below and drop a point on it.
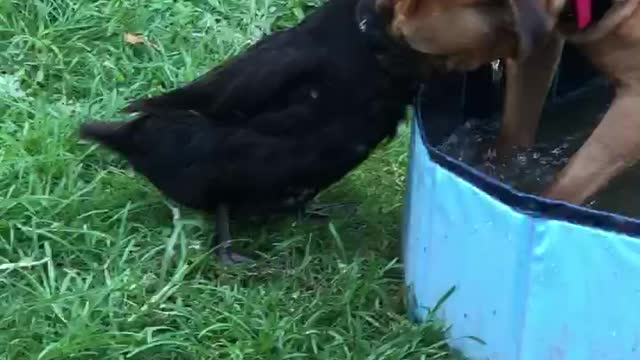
(468, 33)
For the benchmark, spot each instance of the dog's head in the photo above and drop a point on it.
(469, 33)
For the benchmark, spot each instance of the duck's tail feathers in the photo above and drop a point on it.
(114, 135)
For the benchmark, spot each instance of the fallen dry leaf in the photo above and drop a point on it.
(132, 38)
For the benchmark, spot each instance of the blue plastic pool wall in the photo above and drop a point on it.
(530, 287)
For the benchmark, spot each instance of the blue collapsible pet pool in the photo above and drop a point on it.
(534, 279)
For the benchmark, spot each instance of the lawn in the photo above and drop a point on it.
(95, 264)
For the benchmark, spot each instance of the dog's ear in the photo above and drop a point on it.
(404, 8)
(532, 25)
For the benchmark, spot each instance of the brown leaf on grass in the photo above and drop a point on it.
(133, 38)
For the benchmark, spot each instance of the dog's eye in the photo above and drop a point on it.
(492, 2)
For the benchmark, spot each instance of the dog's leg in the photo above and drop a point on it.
(221, 241)
(613, 147)
(527, 84)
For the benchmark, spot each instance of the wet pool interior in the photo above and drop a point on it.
(461, 115)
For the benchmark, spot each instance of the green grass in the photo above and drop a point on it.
(94, 264)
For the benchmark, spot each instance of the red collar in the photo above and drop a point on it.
(583, 12)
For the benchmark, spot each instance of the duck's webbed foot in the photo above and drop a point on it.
(322, 212)
(221, 241)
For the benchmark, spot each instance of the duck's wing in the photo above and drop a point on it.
(243, 85)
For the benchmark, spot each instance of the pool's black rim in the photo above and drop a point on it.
(527, 204)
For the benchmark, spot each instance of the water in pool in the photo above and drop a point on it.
(562, 131)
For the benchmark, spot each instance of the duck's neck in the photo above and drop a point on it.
(394, 56)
